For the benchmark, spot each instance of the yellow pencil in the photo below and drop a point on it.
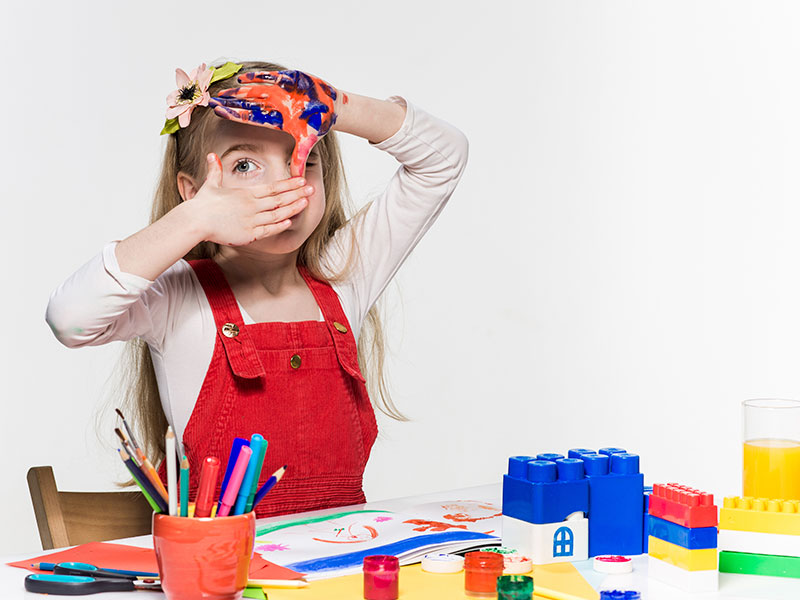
(277, 583)
(553, 594)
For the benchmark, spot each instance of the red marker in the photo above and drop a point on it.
(206, 487)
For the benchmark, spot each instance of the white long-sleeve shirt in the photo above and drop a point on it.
(100, 303)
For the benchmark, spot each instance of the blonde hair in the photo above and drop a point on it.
(185, 152)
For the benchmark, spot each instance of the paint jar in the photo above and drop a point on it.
(514, 587)
(771, 448)
(381, 577)
(204, 558)
(481, 570)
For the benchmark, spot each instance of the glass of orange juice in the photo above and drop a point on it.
(771, 436)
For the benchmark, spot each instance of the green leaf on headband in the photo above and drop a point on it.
(225, 71)
(171, 126)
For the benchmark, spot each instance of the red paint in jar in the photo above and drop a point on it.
(381, 577)
(481, 570)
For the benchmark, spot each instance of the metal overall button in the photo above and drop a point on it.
(230, 330)
(339, 327)
(295, 361)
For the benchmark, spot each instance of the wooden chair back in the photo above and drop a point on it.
(71, 518)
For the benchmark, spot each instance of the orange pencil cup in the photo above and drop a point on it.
(204, 558)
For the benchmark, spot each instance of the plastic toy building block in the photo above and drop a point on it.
(616, 510)
(683, 505)
(579, 452)
(694, 539)
(547, 543)
(543, 491)
(690, 581)
(765, 516)
(648, 489)
(576, 452)
(759, 564)
(690, 560)
(551, 456)
(755, 542)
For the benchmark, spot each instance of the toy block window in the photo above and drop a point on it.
(562, 542)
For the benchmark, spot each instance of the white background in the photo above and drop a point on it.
(617, 267)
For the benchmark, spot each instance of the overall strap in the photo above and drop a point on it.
(336, 322)
(239, 348)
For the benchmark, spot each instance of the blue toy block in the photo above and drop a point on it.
(616, 510)
(693, 538)
(576, 452)
(544, 491)
(645, 542)
(611, 451)
(551, 456)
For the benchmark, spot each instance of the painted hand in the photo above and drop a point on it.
(292, 101)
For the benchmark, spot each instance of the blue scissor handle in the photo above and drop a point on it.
(73, 585)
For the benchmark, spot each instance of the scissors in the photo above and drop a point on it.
(75, 585)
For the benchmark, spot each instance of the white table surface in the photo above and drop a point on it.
(732, 587)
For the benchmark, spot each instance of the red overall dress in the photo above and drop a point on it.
(297, 384)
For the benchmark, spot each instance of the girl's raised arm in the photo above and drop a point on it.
(369, 118)
(433, 154)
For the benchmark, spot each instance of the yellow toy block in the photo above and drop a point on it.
(760, 514)
(689, 560)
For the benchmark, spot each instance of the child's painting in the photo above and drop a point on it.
(336, 544)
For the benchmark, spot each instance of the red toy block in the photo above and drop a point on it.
(683, 505)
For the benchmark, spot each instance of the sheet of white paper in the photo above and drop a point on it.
(335, 545)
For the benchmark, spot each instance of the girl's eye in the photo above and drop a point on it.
(244, 165)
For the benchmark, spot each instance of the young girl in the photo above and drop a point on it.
(248, 290)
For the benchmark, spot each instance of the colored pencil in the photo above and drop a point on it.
(254, 486)
(127, 445)
(153, 497)
(128, 429)
(256, 441)
(235, 447)
(555, 594)
(235, 481)
(277, 583)
(184, 487)
(268, 485)
(172, 472)
(46, 566)
(152, 474)
(205, 489)
(145, 465)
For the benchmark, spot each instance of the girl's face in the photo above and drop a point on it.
(253, 155)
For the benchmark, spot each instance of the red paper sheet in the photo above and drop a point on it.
(118, 556)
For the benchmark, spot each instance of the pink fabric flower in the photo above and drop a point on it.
(192, 91)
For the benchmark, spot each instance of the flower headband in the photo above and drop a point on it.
(193, 91)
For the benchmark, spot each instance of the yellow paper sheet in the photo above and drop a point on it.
(416, 584)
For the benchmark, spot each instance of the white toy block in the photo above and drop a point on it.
(756, 542)
(690, 581)
(546, 543)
